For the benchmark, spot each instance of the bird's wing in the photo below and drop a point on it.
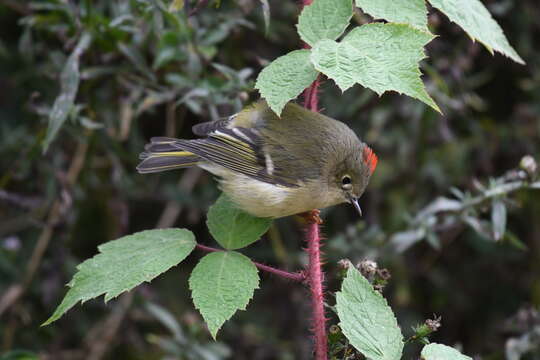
(240, 150)
(250, 117)
(235, 143)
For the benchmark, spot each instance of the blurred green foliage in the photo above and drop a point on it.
(150, 72)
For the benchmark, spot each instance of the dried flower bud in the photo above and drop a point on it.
(528, 164)
(433, 324)
(368, 268)
(384, 274)
(334, 329)
(344, 264)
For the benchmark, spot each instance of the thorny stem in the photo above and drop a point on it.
(298, 277)
(315, 278)
(315, 275)
(311, 98)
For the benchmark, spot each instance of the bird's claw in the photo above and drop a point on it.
(312, 217)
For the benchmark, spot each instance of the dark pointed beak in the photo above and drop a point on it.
(354, 201)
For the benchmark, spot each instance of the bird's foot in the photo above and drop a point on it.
(312, 217)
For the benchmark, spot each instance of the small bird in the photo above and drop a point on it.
(273, 166)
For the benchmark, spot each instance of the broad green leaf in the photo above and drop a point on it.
(324, 19)
(125, 263)
(476, 20)
(69, 84)
(498, 219)
(390, 56)
(367, 320)
(382, 57)
(285, 78)
(233, 228)
(341, 62)
(222, 283)
(441, 352)
(411, 12)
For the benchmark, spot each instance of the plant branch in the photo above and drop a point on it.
(316, 279)
(315, 273)
(14, 292)
(298, 277)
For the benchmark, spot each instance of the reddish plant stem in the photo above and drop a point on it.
(298, 277)
(311, 98)
(315, 278)
(315, 275)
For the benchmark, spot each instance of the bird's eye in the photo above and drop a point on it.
(346, 182)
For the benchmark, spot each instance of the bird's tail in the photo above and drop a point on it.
(165, 154)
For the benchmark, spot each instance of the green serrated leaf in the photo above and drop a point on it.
(125, 263)
(391, 53)
(222, 283)
(413, 12)
(69, 85)
(367, 320)
(285, 78)
(339, 61)
(233, 228)
(382, 57)
(324, 19)
(476, 20)
(435, 351)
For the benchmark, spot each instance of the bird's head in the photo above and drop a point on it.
(352, 175)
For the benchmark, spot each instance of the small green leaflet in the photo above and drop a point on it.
(233, 228)
(69, 84)
(324, 19)
(411, 12)
(476, 20)
(222, 283)
(367, 320)
(382, 57)
(125, 263)
(442, 352)
(285, 78)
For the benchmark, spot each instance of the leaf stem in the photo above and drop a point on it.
(298, 276)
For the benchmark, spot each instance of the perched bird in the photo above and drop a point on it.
(273, 166)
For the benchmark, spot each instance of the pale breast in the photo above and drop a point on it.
(266, 200)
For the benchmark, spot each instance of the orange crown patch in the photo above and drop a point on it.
(370, 159)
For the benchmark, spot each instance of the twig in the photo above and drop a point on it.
(21, 201)
(12, 295)
(17, 6)
(199, 6)
(173, 208)
(298, 277)
(111, 325)
(108, 328)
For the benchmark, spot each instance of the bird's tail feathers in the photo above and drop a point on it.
(164, 154)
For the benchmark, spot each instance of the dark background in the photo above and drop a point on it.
(152, 73)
